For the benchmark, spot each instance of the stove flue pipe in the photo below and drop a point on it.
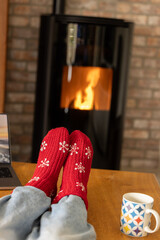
(58, 7)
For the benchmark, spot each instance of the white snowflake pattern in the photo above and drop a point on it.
(74, 149)
(43, 146)
(34, 179)
(78, 184)
(79, 167)
(63, 146)
(44, 163)
(88, 152)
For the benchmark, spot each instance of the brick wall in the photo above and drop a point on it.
(23, 32)
(142, 123)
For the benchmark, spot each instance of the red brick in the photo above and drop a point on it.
(22, 76)
(139, 93)
(138, 1)
(79, 12)
(124, 163)
(123, 7)
(35, 22)
(17, 43)
(136, 72)
(155, 1)
(155, 134)
(30, 87)
(19, 1)
(156, 114)
(147, 124)
(32, 66)
(136, 134)
(145, 51)
(153, 124)
(137, 19)
(144, 73)
(21, 118)
(42, 2)
(16, 65)
(154, 20)
(29, 108)
(155, 31)
(153, 41)
(15, 86)
(142, 124)
(140, 8)
(16, 129)
(131, 103)
(136, 62)
(140, 113)
(129, 143)
(152, 154)
(103, 13)
(22, 139)
(152, 63)
(151, 104)
(22, 10)
(141, 144)
(28, 129)
(158, 53)
(38, 10)
(18, 21)
(128, 123)
(149, 83)
(145, 31)
(23, 55)
(132, 153)
(143, 163)
(89, 5)
(155, 10)
(139, 41)
(25, 33)
(15, 149)
(20, 97)
(26, 149)
(156, 94)
(148, 144)
(32, 44)
(14, 108)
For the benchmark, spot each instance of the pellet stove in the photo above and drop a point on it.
(82, 82)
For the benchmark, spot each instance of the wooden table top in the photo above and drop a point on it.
(105, 190)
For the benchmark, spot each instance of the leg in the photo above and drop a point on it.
(19, 210)
(66, 221)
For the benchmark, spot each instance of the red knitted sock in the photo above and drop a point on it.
(53, 153)
(77, 168)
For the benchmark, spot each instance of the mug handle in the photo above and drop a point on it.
(157, 217)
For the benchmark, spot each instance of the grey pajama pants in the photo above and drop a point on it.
(27, 214)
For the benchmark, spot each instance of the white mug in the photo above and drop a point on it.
(136, 214)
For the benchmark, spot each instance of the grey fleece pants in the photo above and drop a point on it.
(27, 214)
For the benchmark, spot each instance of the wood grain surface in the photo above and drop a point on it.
(105, 191)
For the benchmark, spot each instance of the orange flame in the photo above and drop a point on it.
(85, 99)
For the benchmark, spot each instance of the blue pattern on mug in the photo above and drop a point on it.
(132, 218)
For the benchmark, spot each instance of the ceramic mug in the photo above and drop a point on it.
(136, 214)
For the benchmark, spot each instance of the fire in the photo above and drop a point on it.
(84, 100)
(89, 88)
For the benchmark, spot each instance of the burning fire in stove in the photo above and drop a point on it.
(90, 88)
(85, 98)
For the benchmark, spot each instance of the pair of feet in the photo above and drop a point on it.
(73, 152)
